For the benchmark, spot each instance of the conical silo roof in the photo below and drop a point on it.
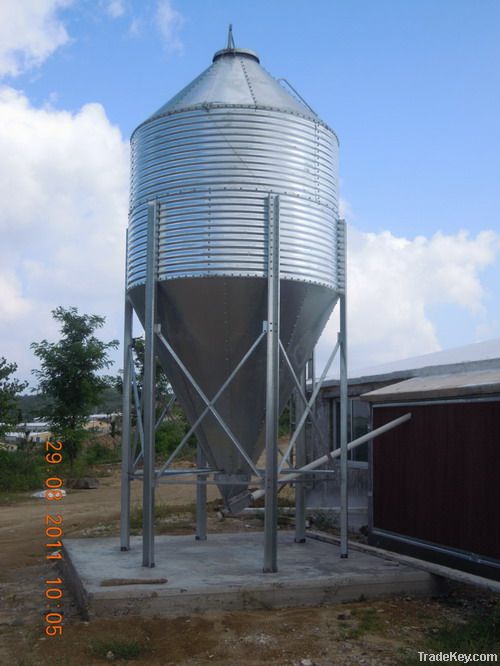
(235, 77)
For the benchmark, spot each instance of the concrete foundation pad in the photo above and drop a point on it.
(224, 573)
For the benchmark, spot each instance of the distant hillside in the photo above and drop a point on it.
(33, 406)
(30, 407)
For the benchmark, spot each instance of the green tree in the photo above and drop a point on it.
(175, 425)
(163, 387)
(9, 390)
(69, 375)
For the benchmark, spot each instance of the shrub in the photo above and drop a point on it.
(77, 469)
(170, 434)
(21, 470)
(98, 453)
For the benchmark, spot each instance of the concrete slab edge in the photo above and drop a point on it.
(260, 599)
(74, 583)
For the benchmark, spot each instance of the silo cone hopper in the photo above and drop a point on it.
(232, 166)
(211, 323)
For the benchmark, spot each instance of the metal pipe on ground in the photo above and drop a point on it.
(431, 567)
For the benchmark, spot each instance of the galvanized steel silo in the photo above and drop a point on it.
(211, 157)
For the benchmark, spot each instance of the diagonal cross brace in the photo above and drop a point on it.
(138, 408)
(308, 407)
(165, 412)
(210, 403)
(139, 429)
(301, 393)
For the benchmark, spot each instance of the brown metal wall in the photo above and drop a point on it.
(437, 477)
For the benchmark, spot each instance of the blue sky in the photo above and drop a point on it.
(411, 88)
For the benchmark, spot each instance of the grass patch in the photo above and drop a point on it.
(162, 512)
(121, 648)
(480, 633)
(366, 621)
(170, 518)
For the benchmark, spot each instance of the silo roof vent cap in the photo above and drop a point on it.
(232, 51)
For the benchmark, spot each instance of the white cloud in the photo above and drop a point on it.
(64, 189)
(12, 304)
(115, 8)
(30, 31)
(136, 27)
(169, 21)
(392, 283)
(64, 193)
(345, 210)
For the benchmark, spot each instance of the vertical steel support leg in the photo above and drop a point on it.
(272, 387)
(311, 365)
(149, 391)
(201, 498)
(300, 461)
(343, 415)
(126, 441)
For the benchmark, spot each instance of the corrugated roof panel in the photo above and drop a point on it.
(479, 382)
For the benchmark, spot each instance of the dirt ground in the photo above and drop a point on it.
(383, 632)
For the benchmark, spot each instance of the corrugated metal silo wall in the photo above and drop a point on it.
(436, 479)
